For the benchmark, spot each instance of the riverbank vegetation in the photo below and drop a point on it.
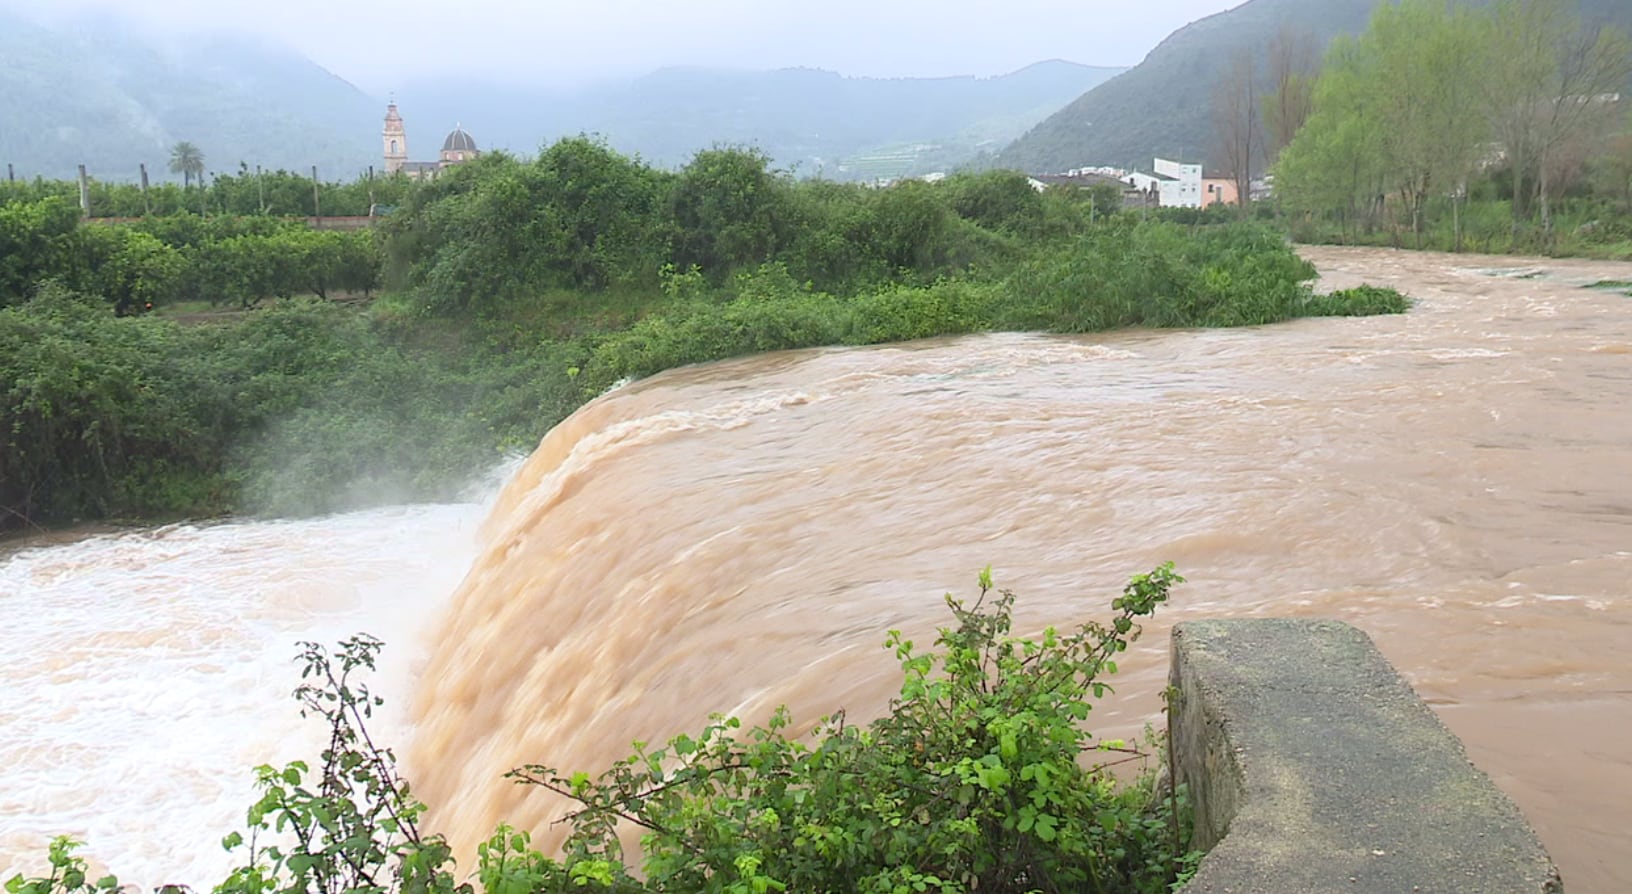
(185, 365)
(1493, 128)
(980, 778)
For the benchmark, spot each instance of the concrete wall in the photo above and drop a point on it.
(1314, 767)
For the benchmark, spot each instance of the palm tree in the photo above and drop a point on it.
(188, 161)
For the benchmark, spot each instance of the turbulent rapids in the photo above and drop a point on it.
(143, 675)
(1456, 481)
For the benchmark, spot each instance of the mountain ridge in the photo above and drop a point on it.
(97, 94)
(1113, 124)
(802, 117)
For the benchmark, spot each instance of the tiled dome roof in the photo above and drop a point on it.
(459, 141)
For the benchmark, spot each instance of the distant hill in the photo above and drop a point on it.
(98, 96)
(811, 120)
(95, 94)
(1161, 106)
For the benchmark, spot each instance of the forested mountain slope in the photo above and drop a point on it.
(1161, 106)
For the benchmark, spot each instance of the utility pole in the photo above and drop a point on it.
(147, 207)
(317, 209)
(11, 174)
(260, 191)
(370, 190)
(84, 193)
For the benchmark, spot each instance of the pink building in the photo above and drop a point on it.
(1214, 191)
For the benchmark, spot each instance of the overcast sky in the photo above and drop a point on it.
(378, 44)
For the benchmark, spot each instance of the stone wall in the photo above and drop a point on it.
(1314, 767)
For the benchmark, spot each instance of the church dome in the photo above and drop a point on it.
(459, 141)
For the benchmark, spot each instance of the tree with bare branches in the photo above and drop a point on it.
(1547, 82)
(1235, 122)
(1294, 64)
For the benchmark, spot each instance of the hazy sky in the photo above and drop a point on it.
(378, 44)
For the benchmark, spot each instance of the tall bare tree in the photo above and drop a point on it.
(1294, 64)
(1235, 122)
(1547, 82)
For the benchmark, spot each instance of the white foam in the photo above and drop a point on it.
(145, 674)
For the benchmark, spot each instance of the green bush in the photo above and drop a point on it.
(301, 408)
(903, 313)
(99, 418)
(997, 200)
(1359, 301)
(974, 781)
(1122, 274)
(36, 244)
(1159, 274)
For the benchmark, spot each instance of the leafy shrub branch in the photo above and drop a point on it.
(972, 782)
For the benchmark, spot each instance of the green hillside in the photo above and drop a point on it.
(1161, 106)
(100, 97)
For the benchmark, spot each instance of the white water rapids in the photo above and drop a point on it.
(144, 675)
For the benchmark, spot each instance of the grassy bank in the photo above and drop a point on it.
(1582, 230)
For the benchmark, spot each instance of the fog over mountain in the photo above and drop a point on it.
(114, 98)
(382, 46)
(809, 121)
(116, 90)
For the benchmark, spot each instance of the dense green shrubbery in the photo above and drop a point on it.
(1360, 301)
(302, 408)
(245, 193)
(232, 261)
(102, 417)
(1156, 274)
(582, 217)
(1587, 221)
(975, 781)
(1123, 274)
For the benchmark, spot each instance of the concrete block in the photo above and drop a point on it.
(1314, 767)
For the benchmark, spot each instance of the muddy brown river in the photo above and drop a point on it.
(1455, 481)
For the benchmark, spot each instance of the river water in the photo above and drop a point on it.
(1456, 481)
(143, 675)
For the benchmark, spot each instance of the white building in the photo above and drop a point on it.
(1182, 188)
(1142, 181)
(1101, 170)
(1177, 185)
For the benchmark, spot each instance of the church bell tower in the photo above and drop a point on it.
(396, 140)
